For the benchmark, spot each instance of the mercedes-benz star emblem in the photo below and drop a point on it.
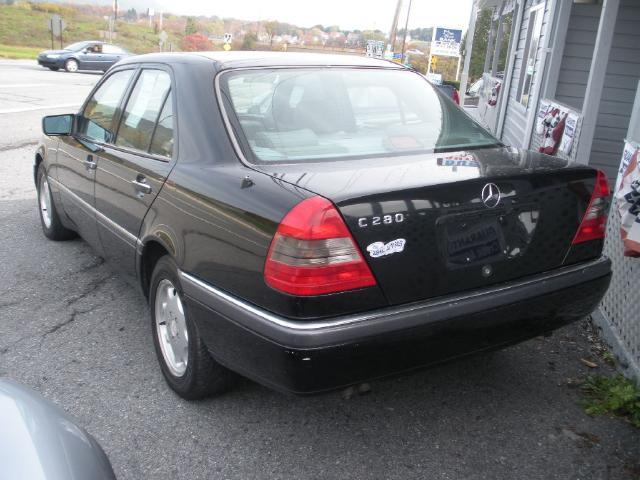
(491, 195)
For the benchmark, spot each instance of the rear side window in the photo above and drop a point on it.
(143, 109)
(162, 141)
(98, 118)
(112, 49)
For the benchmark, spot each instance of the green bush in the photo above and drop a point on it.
(617, 396)
(455, 83)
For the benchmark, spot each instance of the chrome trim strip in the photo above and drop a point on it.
(227, 123)
(193, 283)
(121, 232)
(263, 314)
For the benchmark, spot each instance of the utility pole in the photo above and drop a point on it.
(406, 26)
(394, 27)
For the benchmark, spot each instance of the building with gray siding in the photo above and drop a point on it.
(580, 58)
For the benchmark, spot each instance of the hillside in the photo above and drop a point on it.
(26, 25)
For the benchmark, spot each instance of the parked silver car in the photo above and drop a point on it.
(39, 441)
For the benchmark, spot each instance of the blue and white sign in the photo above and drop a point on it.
(446, 42)
(375, 48)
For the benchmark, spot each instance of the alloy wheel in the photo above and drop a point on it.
(171, 328)
(72, 66)
(45, 201)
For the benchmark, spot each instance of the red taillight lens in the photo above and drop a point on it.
(313, 253)
(594, 221)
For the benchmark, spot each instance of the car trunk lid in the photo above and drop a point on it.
(429, 225)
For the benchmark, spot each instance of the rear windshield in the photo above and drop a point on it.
(308, 114)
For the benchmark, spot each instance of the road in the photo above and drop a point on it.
(74, 331)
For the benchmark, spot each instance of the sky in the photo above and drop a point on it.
(347, 14)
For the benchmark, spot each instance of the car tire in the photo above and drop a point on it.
(54, 69)
(71, 65)
(184, 359)
(52, 227)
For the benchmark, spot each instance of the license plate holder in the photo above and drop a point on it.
(471, 240)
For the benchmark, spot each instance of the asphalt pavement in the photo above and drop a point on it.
(77, 333)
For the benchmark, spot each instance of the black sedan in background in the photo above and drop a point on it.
(315, 221)
(90, 55)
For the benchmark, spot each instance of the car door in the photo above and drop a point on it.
(133, 170)
(79, 154)
(90, 58)
(110, 55)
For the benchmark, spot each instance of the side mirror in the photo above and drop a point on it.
(58, 125)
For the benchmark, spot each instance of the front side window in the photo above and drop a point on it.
(142, 110)
(97, 121)
(304, 114)
(95, 48)
(528, 66)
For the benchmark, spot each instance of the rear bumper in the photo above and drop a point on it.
(313, 356)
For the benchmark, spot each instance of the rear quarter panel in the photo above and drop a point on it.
(220, 230)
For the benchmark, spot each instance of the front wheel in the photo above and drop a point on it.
(184, 359)
(51, 225)
(71, 65)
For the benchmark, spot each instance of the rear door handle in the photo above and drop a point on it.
(140, 185)
(90, 163)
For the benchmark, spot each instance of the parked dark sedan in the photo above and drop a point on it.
(314, 221)
(89, 55)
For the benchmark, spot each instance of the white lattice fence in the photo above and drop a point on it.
(619, 313)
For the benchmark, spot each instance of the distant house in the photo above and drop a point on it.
(577, 61)
(353, 38)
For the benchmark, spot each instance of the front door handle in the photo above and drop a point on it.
(90, 163)
(141, 186)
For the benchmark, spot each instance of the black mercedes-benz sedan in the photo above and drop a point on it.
(315, 221)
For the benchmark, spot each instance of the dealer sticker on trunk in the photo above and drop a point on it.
(380, 249)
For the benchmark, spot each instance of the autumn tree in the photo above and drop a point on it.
(196, 42)
(249, 41)
(191, 27)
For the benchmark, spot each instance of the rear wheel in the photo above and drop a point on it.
(51, 225)
(184, 359)
(71, 65)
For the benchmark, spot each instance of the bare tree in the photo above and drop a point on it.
(271, 28)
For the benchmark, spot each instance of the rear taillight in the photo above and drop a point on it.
(313, 253)
(594, 221)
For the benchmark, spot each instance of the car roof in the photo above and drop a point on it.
(244, 59)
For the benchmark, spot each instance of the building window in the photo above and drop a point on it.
(528, 65)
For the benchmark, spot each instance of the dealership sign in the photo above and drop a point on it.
(446, 42)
